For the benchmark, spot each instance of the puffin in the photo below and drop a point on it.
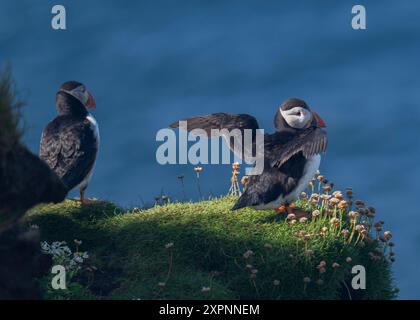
(292, 154)
(70, 142)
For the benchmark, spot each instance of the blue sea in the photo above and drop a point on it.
(149, 63)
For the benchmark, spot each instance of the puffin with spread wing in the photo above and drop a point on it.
(69, 143)
(292, 154)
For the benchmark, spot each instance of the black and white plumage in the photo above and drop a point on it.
(69, 143)
(292, 154)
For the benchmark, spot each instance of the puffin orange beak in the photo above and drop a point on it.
(319, 122)
(91, 103)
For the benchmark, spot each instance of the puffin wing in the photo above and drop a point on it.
(310, 142)
(69, 149)
(267, 187)
(231, 126)
(281, 176)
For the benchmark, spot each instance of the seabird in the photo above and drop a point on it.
(70, 142)
(292, 154)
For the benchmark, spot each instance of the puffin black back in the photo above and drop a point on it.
(207, 151)
(70, 142)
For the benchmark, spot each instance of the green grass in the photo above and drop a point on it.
(209, 242)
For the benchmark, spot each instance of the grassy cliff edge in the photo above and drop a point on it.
(205, 251)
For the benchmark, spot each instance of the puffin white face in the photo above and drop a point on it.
(297, 117)
(83, 95)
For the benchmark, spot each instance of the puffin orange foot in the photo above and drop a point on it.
(87, 202)
(281, 209)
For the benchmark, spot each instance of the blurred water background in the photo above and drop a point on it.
(149, 63)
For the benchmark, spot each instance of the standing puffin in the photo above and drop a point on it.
(292, 154)
(69, 143)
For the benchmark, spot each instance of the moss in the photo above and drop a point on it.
(209, 242)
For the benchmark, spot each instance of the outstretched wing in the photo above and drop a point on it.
(233, 127)
(220, 121)
(70, 150)
(310, 142)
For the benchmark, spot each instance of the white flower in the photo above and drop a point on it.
(45, 246)
(303, 220)
(316, 213)
(62, 254)
(291, 216)
(387, 235)
(169, 245)
(248, 254)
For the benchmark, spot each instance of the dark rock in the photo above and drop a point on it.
(25, 181)
(21, 262)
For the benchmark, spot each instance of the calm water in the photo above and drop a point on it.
(151, 63)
